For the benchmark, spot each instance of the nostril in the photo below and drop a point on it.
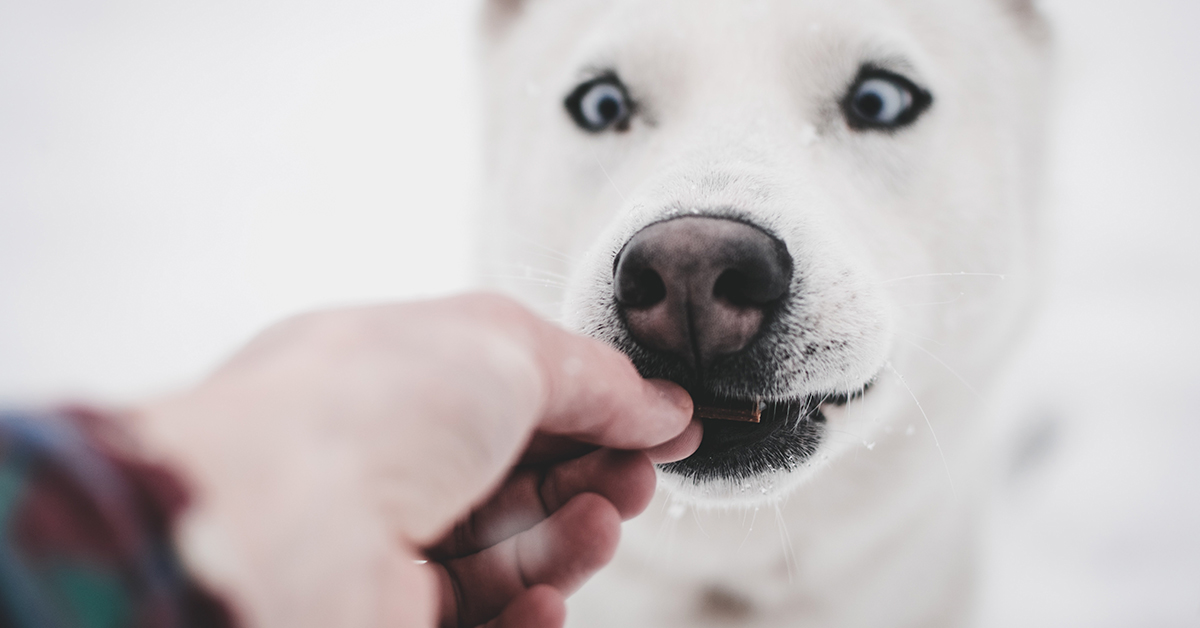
(641, 288)
(751, 287)
(734, 286)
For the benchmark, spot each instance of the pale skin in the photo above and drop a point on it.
(450, 463)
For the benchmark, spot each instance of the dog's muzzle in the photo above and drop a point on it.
(696, 293)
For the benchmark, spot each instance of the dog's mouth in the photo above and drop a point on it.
(787, 435)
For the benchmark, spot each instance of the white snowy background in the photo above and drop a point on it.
(175, 175)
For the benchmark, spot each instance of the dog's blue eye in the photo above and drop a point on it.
(882, 100)
(600, 104)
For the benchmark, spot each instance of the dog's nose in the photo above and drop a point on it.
(699, 287)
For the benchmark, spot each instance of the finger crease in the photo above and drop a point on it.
(525, 584)
(544, 482)
(460, 601)
(464, 534)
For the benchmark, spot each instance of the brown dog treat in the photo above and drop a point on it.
(743, 411)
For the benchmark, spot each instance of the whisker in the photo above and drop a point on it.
(854, 438)
(528, 270)
(946, 366)
(920, 337)
(665, 537)
(551, 253)
(862, 402)
(548, 251)
(954, 300)
(958, 274)
(789, 552)
(850, 412)
(700, 526)
(546, 283)
(610, 179)
(528, 273)
(749, 530)
(929, 423)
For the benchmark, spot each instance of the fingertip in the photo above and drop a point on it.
(626, 478)
(673, 395)
(667, 414)
(579, 539)
(595, 530)
(549, 607)
(679, 447)
(542, 606)
(635, 472)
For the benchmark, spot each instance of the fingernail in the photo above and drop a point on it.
(674, 394)
(679, 447)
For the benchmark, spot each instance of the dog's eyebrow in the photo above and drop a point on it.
(592, 72)
(891, 62)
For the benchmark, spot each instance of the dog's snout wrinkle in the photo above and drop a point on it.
(698, 287)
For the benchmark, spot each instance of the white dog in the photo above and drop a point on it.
(824, 207)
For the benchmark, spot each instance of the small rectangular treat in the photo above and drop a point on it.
(743, 411)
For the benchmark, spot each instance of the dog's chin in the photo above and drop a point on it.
(739, 462)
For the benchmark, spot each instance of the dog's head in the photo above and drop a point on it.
(769, 201)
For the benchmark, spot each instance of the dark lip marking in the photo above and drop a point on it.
(787, 435)
(744, 410)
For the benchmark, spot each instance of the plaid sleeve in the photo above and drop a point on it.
(85, 532)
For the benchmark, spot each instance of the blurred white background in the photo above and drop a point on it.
(174, 176)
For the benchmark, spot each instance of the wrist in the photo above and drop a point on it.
(174, 431)
(281, 513)
(89, 526)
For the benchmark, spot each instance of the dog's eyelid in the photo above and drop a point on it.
(595, 75)
(906, 73)
(595, 72)
(895, 63)
(592, 121)
(883, 73)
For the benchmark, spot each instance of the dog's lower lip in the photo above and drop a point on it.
(788, 434)
(776, 416)
(773, 408)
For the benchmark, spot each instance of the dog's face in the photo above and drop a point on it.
(769, 201)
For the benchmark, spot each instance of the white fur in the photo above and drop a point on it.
(740, 117)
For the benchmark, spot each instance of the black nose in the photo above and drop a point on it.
(699, 288)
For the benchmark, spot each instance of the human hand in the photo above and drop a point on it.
(339, 448)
